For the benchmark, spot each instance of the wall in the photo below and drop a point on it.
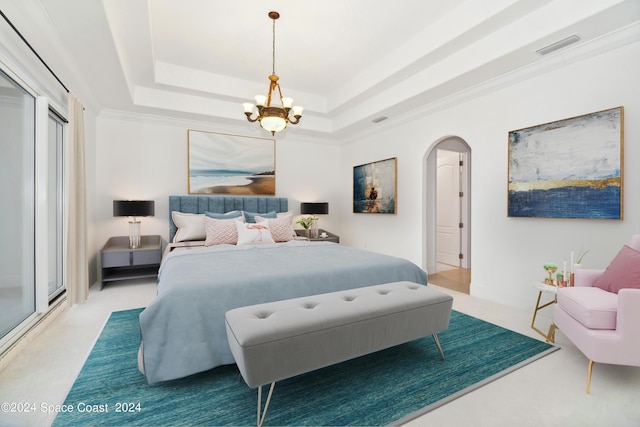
(507, 254)
(146, 157)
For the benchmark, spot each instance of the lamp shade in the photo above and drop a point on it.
(133, 208)
(321, 208)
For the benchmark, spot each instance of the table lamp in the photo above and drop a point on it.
(321, 208)
(133, 209)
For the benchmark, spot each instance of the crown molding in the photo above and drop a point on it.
(248, 129)
(549, 63)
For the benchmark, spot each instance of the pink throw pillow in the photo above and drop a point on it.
(623, 272)
(220, 231)
(281, 227)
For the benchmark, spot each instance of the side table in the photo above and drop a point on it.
(120, 262)
(330, 236)
(544, 288)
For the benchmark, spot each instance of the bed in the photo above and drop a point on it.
(183, 330)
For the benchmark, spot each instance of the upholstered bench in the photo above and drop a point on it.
(281, 339)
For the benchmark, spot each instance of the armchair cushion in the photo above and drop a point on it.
(592, 307)
(622, 272)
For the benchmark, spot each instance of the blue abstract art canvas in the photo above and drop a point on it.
(375, 187)
(572, 168)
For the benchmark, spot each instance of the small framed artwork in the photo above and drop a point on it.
(230, 164)
(375, 187)
(571, 168)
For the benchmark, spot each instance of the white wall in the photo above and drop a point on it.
(145, 157)
(131, 156)
(507, 254)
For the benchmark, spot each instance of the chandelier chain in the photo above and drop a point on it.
(273, 50)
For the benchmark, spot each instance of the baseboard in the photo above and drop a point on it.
(32, 333)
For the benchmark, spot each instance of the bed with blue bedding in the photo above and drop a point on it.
(183, 330)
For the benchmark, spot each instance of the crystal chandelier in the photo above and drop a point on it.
(273, 118)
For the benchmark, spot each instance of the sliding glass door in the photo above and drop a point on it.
(17, 145)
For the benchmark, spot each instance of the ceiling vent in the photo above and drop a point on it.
(558, 45)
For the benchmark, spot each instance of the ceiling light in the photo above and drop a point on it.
(273, 118)
(558, 45)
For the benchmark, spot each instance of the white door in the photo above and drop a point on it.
(448, 208)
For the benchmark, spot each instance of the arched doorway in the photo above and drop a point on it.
(447, 213)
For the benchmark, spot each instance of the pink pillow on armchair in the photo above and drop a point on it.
(623, 272)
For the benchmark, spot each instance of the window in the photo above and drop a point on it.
(17, 216)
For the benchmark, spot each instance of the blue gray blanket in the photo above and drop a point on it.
(183, 330)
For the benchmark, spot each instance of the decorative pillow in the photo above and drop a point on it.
(227, 215)
(190, 226)
(220, 231)
(281, 228)
(250, 217)
(253, 234)
(622, 272)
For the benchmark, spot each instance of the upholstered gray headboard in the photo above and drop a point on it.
(221, 204)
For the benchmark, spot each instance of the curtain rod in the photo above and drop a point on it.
(32, 49)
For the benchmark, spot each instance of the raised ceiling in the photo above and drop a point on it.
(347, 62)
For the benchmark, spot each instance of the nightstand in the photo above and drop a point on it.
(330, 236)
(120, 262)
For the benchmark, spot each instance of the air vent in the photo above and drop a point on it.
(558, 45)
(380, 119)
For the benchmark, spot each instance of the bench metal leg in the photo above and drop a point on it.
(260, 419)
(435, 338)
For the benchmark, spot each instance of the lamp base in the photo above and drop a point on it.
(134, 234)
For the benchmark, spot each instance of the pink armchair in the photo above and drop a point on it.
(604, 325)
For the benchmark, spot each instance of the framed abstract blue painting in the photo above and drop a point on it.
(571, 168)
(375, 187)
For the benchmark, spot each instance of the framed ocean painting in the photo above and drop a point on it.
(571, 168)
(375, 187)
(230, 164)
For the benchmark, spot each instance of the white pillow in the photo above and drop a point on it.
(190, 226)
(220, 231)
(281, 228)
(253, 234)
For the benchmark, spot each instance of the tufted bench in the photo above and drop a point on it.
(281, 339)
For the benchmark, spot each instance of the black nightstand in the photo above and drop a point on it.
(120, 262)
(330, 236)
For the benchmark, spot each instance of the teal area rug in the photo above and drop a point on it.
(381, 388)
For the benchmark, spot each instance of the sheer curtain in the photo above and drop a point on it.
(77, 282)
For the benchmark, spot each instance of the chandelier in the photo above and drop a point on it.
(273, 118)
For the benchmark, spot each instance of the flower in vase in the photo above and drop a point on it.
(306, 222)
